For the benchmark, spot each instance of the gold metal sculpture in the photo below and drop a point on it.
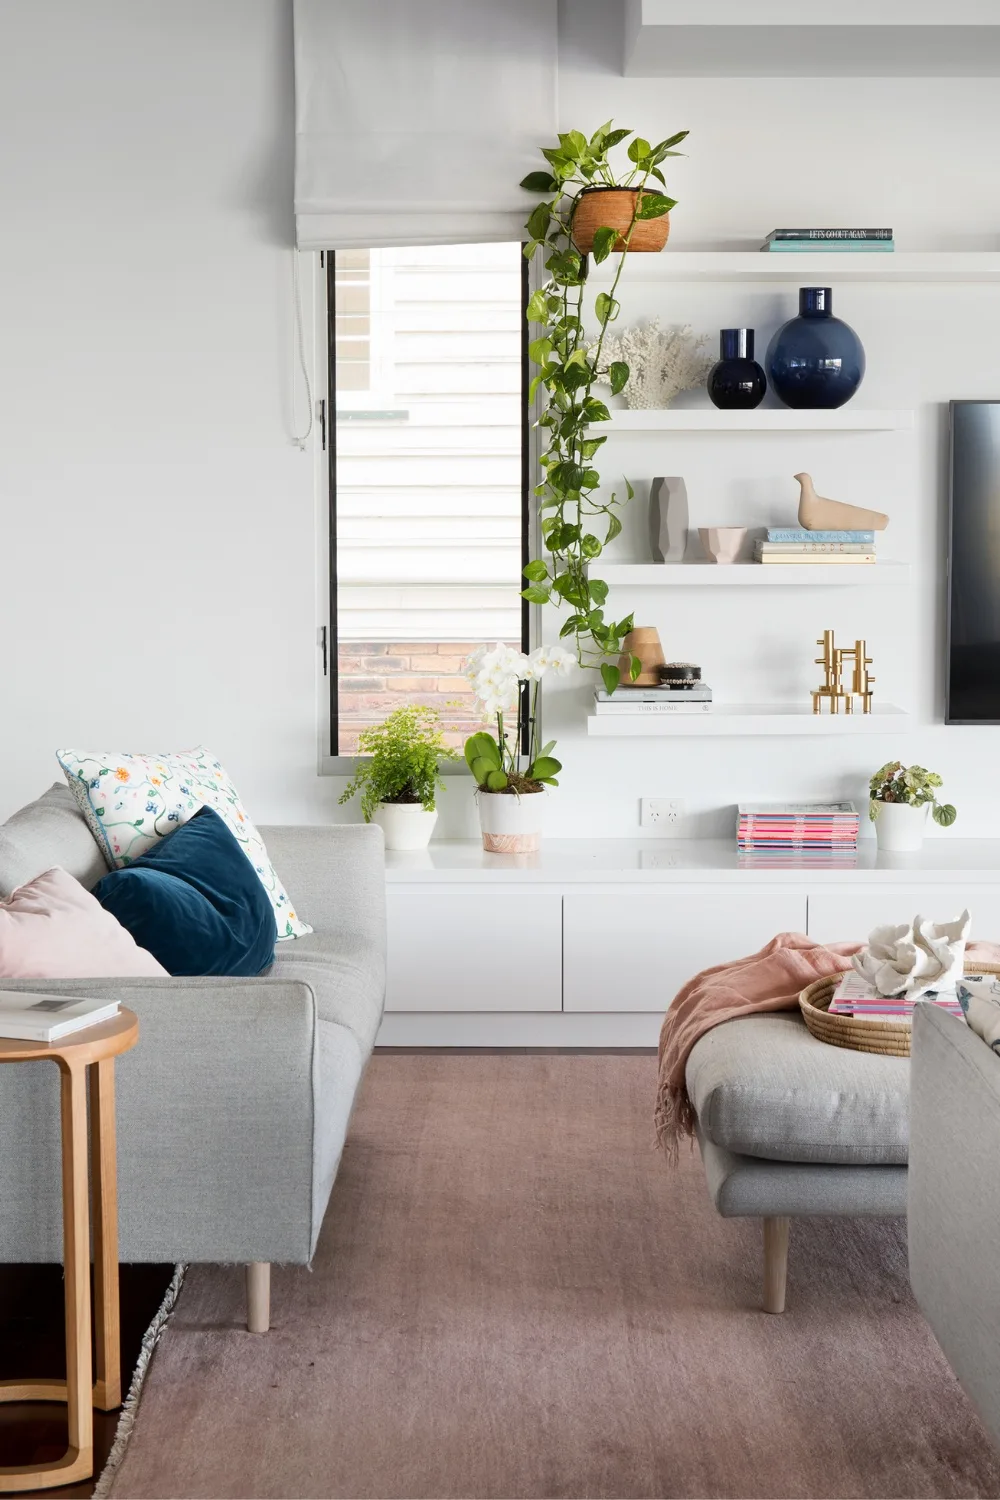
(833, 690)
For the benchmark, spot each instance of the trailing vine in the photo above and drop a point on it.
(569, 366)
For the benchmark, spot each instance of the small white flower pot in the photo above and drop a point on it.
(900, 827)
(511, 824)
(405, 824)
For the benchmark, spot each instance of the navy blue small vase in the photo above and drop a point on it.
(737, 382)
(815, 360)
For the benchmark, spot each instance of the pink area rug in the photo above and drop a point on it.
(513, 1296)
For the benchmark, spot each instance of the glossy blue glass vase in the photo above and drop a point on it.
(737, 382)
(815, 360)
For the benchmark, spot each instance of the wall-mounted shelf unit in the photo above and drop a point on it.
(813, 268)
(746, 719)
(762, 419)
(753, 575)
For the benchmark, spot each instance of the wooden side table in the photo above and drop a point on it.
(91, 1051)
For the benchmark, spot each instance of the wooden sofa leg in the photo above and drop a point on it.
(775, 1264)
(259, 1296)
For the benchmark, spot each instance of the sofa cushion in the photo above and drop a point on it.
(51, 928)
(348, 985)
(764, 1086)
(47, 832)
(132, 801)
(194, 901)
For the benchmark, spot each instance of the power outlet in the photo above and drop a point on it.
(663, 813)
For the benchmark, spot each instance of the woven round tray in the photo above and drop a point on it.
(861, 1033)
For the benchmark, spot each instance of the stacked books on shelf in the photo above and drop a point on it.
(797, 241)
(665, 700)
(793, 544)
(826, 832)
(856, 996)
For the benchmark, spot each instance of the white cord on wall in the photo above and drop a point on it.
(300, 439)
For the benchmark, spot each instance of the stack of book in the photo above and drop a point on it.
(824, 831)
(795, 241)
(855, 996)
(793, 544)
(665, 699)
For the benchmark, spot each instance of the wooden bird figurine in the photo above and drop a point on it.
(819, 514)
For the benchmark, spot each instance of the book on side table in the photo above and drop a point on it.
(48, 1018)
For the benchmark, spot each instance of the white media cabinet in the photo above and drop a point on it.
(585, 943)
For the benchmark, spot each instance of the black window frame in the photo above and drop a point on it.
(331, 642)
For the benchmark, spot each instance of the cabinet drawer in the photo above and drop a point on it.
(476, 952)
(844, 918)
(633, 953)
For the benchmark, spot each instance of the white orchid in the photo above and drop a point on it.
(552, 659)
(497, 674)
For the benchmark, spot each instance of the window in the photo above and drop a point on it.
(427, 476)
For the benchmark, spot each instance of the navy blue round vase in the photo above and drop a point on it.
(737, 382)
(815, 360)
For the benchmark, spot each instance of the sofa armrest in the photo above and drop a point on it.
(954, 1199)
(335, 875)
(216, 1110)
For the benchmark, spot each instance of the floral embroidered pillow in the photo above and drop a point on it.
(130, 801)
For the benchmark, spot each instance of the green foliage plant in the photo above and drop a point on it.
(403, 760)
(911, 785)
(576, 523)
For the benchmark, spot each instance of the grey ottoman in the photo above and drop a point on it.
(789, 1125)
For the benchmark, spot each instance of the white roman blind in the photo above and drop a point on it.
(415, 120)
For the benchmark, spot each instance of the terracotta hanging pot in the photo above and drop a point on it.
(612, 208)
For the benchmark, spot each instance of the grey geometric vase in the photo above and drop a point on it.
(668, 519)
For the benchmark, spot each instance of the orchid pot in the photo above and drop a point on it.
(511, 769)
(511, 823)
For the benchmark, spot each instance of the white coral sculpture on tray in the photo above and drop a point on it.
(662, 363)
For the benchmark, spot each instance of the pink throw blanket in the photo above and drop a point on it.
(772, 979)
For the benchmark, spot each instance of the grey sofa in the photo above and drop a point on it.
(233, 1108)
(954, 1199)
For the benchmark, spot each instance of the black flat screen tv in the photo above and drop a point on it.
(973, 649)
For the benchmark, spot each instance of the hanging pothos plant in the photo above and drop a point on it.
(569, 366)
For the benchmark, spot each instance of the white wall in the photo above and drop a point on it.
(158, 550)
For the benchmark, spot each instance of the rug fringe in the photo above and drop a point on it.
(130, 1406)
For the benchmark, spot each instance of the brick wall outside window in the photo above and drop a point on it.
(377, 676)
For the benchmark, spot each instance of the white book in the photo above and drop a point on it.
(626, 709)
(47, 1018)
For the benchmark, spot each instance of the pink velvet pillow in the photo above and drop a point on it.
(51, 928)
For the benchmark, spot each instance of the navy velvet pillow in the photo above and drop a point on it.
(195, 902)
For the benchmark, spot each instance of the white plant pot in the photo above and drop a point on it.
(900, 827)
(511, 824)
(405, 824)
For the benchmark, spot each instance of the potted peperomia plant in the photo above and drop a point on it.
(511, 769)
(588, 209)
(898, 800)
(400, 776)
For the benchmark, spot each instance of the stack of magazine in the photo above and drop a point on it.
(666, 700)
(795, 241)
(793, 832)
(856, 996)
(793, 544)
(49, 1018)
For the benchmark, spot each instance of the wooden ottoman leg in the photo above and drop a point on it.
(258, 1296)
(775, 1264)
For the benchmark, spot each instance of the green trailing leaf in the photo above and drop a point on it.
(634, 668)
(535, 594)
(539, 182)
(538, 222)
(614, 528)
(618, 373)
(610, 676)
(945, 815)
(638, 149)
(606, 307)
(655, 205)
(537, 307)
(536, 570)
(604, 242)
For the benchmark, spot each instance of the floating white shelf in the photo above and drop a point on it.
(754, 575)
(812, 268)
(762, 419)
(746, 719)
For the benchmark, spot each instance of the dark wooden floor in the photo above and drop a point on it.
(32, 1347)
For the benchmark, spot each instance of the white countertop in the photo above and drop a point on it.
(942, 861)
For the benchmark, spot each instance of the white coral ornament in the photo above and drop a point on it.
(661, 363)
(911, 959)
